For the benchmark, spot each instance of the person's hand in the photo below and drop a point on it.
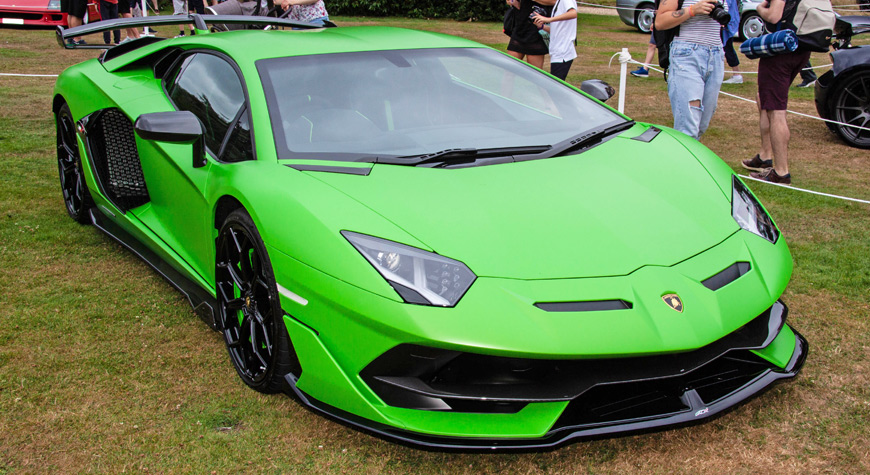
(540, 20)
(285, 4)
(704, 7)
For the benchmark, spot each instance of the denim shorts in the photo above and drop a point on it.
(695, 74)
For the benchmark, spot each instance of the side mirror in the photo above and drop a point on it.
(598, 89)
(176, 127)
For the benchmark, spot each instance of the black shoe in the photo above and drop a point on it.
(771, 176)
(757, 164)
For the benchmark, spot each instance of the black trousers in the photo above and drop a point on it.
(109, 11)
(808, 75)
(560, 70)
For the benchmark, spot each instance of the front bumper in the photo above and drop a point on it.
(695, 403)
(339, 331)
(21, 17)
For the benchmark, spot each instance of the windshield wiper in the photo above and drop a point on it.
(462, 155)
(587, 139)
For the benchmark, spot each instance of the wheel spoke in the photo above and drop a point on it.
(255, 345)
(267, 341)
(856, 96)
(235, 305)
(235, 240)
(234, 275)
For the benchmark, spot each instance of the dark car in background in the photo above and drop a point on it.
(843, 93)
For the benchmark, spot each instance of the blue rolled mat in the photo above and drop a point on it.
(783, 41)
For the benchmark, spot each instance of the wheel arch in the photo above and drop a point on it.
(225, 205)
(57, 102)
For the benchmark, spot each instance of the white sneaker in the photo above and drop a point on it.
(736, 79)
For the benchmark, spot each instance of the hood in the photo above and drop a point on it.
(608, 211)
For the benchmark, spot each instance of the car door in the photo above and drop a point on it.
(209, 85)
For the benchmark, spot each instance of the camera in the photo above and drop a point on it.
(719, 14)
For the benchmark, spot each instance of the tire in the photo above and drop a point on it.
(644, 18)
(76, 196)
(249, 307)
(850, 103)
(751, 25)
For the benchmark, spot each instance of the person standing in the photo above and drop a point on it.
(808, 76)
(75, 13)
(306, 11)
(697, 66)
(124, 11)
(775, 75)
(563, 36)
(526, 43)
(109, 11)
(729, 31)
(643, 71)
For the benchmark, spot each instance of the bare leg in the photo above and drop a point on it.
(766, 150)
(132, 33)
(779, 137)
(650, 51)
(536, 60)
(74, 21)
(516, 55)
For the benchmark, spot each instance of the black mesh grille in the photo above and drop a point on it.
(660, 397)
(116, 160)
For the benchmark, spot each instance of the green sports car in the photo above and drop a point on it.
(423, 237)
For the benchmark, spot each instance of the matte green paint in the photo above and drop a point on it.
(624, 220)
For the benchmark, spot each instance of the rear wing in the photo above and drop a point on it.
(200, 22)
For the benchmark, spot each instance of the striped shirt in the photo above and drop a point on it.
(701, 29)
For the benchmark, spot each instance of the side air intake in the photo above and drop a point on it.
(116, 160)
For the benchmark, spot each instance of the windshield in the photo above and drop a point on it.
(412, 102)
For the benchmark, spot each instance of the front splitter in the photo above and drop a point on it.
(697, 412)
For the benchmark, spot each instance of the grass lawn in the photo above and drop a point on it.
(105, 368)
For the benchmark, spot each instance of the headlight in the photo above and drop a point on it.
(54, 5)
(749, 214)
(419, 276)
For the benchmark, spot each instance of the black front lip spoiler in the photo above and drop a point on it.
(697, 412)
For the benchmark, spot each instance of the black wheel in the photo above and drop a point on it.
(72, 179)
(850, 104)
(645, 17)
(751, 25)
(249, 307)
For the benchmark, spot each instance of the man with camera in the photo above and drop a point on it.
(696, 60)
(775, 75)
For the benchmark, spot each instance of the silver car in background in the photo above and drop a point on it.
(641, 14)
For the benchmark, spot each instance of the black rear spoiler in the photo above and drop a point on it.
(200, 22)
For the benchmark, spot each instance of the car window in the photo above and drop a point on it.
(208, 86)
(238, 147)
(409, 102)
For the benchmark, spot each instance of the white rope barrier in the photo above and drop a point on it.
(30, 75)
(625, 59)
(609, 6)
(630, 60)
(856, 200)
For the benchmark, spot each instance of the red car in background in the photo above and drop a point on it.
(39, 13)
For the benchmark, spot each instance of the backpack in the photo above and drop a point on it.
(509, 19)
(812, 21)
(663, 41)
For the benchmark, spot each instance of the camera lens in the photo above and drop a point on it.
(719, 14)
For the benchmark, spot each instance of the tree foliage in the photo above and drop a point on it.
(454, 9)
